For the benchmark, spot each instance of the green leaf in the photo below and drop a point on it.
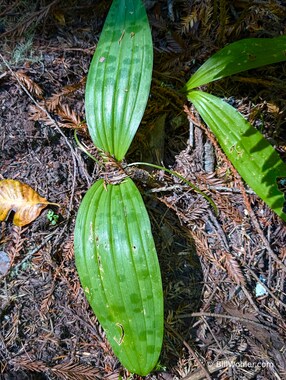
(239, 56)
(254, 158)
(118, 267)
(119, 78)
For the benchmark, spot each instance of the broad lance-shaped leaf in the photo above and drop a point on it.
(22, 199)
(239, 56)
(119, 78)
(254, 158)
(119, 271)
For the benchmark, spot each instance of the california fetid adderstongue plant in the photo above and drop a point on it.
(114, 249)
(252, 155)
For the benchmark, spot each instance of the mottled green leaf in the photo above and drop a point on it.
(239, 56)
(119, 271)
(254, 158)
(119, 78)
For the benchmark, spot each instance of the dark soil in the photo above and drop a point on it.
(217, 326)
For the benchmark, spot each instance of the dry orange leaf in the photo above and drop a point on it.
(22, 199)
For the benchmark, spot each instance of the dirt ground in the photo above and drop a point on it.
(223, 275)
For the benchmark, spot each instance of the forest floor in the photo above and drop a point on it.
(223, 275)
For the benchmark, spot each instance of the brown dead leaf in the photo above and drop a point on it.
(22, 199)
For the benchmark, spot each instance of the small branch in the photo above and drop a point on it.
(231, 317)
(175, 174)
(192, 352)
(33, 252)
(219, 365)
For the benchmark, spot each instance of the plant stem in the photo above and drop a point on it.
(172, 172)
(84, 149)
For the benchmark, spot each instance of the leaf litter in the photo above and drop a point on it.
(217, 324)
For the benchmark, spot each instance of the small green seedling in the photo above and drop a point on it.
(52, 217)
